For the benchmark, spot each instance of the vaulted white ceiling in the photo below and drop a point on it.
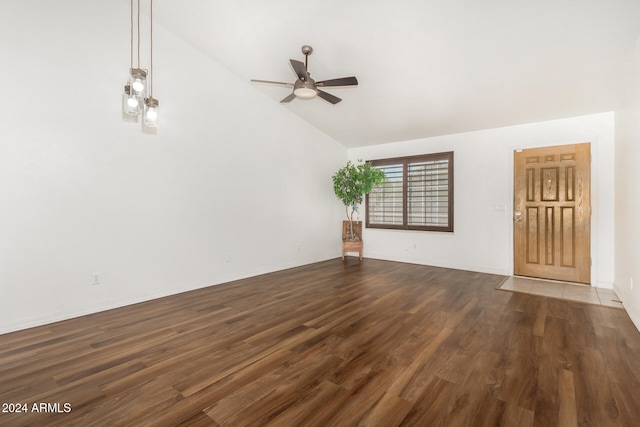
(425, 67)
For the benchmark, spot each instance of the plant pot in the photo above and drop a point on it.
(352, 238)
(352, 232)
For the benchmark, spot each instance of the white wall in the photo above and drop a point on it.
(229, 186)
(627, 201)
(483, 196)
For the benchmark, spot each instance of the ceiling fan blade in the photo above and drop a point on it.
(269, 82)
(289, 98)
(328, 97)
(299, 69)
(344, 81)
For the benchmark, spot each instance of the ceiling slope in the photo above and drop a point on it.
(425, 68)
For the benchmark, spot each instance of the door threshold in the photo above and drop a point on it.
(562, 290)
(563, 282)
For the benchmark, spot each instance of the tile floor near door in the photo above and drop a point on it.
(568, 291)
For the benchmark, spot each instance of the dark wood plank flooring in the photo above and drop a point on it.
(331, 344)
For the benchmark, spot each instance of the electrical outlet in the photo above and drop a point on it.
(96, 279)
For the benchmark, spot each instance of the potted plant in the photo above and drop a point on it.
(351, 183)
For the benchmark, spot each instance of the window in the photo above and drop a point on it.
(417, 194)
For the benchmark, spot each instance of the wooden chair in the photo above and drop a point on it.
(352, 245)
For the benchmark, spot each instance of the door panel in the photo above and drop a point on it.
(552, 213)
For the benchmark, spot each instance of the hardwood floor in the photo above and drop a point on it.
(331, 344)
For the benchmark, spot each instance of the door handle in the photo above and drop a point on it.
(517, 217)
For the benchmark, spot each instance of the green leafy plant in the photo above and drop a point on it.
(351, 183)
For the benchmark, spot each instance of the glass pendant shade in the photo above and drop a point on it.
(130, 104)
(151, 110)
(138, 81)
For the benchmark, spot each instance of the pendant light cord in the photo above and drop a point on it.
(151, 48)
(138, 65)
(131, 36)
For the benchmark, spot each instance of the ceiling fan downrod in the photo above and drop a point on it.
(306, 51)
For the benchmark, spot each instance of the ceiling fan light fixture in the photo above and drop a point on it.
(305, 92)
(305, 89)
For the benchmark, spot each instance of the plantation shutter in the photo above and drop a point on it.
(386, 201)
(428, 194)
(417, 194)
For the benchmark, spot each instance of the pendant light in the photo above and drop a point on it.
(134, 99)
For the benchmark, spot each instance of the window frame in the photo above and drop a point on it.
(406, 161)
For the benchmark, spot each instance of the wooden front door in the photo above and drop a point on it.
(552, 213)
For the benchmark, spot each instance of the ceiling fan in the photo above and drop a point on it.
(305, 87)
